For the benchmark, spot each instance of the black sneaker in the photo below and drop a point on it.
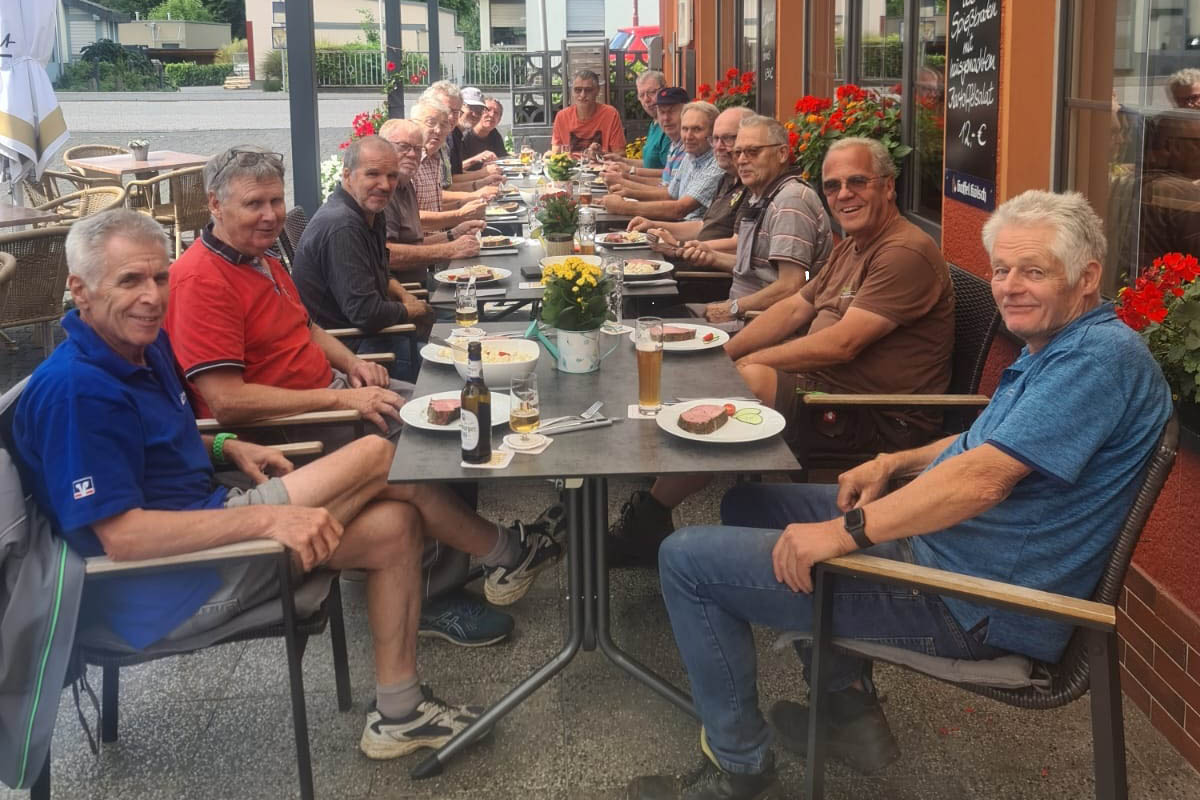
(857, 732)
(506, 585)
(709, 782)
(633, 540)
(463, 619)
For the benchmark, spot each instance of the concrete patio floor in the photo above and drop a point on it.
(218, 724)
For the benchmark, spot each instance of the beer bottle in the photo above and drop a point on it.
(475, 420)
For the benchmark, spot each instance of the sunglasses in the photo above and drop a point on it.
(248, 158)
(855, 183)
(753, 152)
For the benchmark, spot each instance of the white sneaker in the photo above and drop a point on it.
(506, 585)
(433, 723)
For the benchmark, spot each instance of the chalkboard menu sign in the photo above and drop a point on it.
(766, 58)
(972, 98)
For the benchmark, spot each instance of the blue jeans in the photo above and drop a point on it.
(717, 581)
(408, 359)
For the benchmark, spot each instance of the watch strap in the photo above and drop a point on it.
(856, 525)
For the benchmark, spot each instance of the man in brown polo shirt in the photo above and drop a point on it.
(880, 319)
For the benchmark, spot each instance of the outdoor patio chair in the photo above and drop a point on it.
(1088, 664)
(85, 202)
(976, 322)
(186, 206)
(72, 154)
(35, 293)
(301, 612)
(50, 185)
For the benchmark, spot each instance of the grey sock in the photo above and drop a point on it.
(398, 700)
(507, 550)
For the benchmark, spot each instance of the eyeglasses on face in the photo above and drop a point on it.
(753, 152)
(585, 89)
(248, 158)
(729, 140)
(404, 148)
(855, 183)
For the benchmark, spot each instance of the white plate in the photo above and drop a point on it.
(720, 337)
(661, 268)
(509, 162)
(414, 411)
(734, 431)
(497, 211)
(433, 353)
(498, 274)
(514, 241)
(639, 241)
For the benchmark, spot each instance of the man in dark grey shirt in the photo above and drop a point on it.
(341, 266)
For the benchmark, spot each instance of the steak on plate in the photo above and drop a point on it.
(703, 418)
(674, 333)
(444, 411)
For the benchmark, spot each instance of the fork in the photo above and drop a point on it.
(588, 414)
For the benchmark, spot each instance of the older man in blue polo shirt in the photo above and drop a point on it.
(1032, 494)
(108, 434)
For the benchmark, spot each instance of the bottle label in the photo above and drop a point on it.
(474, 369)
(469, 425)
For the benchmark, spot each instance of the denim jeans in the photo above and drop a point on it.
(717, 581)
(408, 359)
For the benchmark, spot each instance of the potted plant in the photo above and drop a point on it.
(141, 149)
(1163, 305)
(559, 217)
(559, 166)
(821, 121)
(736, 90)
(574, 300)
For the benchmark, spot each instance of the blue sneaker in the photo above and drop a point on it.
(463, 619)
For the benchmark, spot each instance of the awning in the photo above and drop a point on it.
(32, 127)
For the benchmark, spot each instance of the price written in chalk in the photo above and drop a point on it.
(978, 136)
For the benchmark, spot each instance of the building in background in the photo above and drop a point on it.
(518, 23)
(176, 40)
(80, 23)
(341, 22)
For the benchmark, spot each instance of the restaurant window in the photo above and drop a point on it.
(870, 42)
(747, 53)
(1130, 127)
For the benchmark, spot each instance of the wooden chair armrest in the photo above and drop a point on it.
(378, 358)
(404, 327)
(103, 565)
(300, 448)
(1099, 616)
(419, 292)
(411, 286)
(704, 275)
(210, 425)
(752, 314)
(925, 400)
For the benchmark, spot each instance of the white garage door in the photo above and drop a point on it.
(585, 16)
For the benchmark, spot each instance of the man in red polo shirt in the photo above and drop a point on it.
(249, 352)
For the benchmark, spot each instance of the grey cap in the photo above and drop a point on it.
(473, 97)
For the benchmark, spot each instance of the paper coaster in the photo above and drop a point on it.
(530, 284)
(635, 414)
(500, 459)
(617, 330)
(542, 443)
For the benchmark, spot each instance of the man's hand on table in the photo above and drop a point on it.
(639, 224)
(473, 209)
(718, 311)
(803, 544)
(373, 403)
(256, 461)
(699, 254)
(613, 204)
(664, 242)
(465, 246)
(468, 228)
(485, 193)
(311, 533)
(366, 373)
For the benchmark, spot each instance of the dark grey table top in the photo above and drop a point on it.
(629, 447)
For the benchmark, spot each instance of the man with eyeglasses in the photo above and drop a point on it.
(693, 186)
(483, 140)
(1183, 87)
(458, 184)
(439, 212)
(587, 125)
(650, 183)
(654, 151)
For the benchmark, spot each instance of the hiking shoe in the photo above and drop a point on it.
(506, 585)
(857, 732)
(433, 723)
(552, 521)
(463, 619)
(633, 540)
(709, 782)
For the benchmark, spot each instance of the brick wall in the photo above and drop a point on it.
(1160, 661)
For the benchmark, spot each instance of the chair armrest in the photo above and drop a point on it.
(210, 425)
(412, 286)
(103, 565)
(299, 448)
(704, 275)
(406, 327)
(378, 358)
(924, 400)
(1099, 616)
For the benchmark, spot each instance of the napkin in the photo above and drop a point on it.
(499, 251)
(657, 282)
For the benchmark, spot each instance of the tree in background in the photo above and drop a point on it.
(467, 12)
(191, 10)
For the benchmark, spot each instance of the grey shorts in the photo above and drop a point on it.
(402, 388)
(245, 585)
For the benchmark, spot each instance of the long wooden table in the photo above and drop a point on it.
(584, 461)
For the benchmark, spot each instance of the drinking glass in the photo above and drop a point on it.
(614, 271)
(466, 306)
(523, 414)
(587, 231)
(648, 340)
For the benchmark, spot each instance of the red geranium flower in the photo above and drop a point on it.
(391, 66)
(731, 74)
(747, 78)
(703, 89)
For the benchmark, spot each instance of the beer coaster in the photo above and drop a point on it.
(615, 330)
(500, 459)
(531, 284)
(538, 444)
(635, 414)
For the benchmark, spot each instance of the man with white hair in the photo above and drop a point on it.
(138, 482)
(656, 146)
(456, 177)
(1032, 494)
(440, 210)
(1183, 87)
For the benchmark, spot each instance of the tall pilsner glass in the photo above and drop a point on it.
(648, 337)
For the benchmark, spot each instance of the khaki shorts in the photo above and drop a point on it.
(245, 585)
(817, 429)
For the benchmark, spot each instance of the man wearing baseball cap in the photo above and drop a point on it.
(669, 103)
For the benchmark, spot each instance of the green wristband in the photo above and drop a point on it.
(218, 446)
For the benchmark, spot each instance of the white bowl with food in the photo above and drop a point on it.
(595, 261)
(502, 360)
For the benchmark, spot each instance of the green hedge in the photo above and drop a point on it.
(189, 73)
(81, 76)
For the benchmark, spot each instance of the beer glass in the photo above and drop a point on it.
(648, 338)
(466, 307)
(523, 414)
(614, 272)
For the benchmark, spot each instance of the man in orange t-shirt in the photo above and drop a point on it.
(587, 124)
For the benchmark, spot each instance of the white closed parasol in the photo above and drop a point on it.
(32, 128)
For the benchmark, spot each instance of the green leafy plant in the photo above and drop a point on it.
(558, 214)
(271, 65)
(189, 73)
(559, 166)
(821, 121)
(225, 54)
(192, 10)
(574, 297)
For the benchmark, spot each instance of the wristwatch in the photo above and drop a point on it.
(733, 307)
(633, 170)
(856, 524)
(451, 235)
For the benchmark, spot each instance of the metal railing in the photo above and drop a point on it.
(342, 69)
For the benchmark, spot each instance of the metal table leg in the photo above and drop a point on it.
(576, 557)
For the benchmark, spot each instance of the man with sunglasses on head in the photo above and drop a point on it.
(587, 125)
(439, 210)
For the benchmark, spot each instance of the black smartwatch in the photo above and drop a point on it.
(451, 235)
(856, 525)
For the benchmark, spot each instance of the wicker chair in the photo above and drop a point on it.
(1088, 664)
(35, 293)
(49, 186)
(78, 205)
(71, 156)
(8, 270)
(186, 207)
